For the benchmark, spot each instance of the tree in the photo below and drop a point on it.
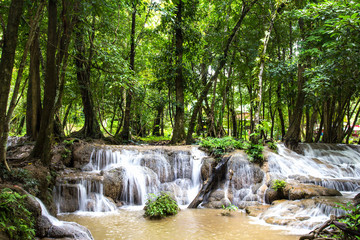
(6, 67)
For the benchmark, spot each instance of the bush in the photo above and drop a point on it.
(278, 185)
(254, 152)
(218, 146)
(160, 206)
(15, 220)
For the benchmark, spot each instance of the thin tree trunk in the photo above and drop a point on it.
(262, 56)
(43, 142)
(279, 109)
(6, 67)
(125, 133)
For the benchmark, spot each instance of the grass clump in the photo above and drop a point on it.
(160, 206)
(278, 185)
(15, 220)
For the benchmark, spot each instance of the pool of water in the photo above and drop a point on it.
(187, 224)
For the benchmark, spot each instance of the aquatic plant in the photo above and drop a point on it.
(227, 210)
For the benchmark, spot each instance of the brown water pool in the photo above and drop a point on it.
(187, 224)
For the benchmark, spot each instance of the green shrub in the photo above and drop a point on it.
(160, 206)
(272, 145)
(254, 152)
(227, 210)
(278, 185)
(15, 220)
(218, 146)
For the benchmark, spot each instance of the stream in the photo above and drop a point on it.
(108, 194)
(187, 224)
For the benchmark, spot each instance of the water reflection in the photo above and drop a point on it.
(188, 224)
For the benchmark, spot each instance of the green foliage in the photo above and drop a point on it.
(15, 220)
(218, 146)
(160, 206)
(278, 184)
(351, 219)
(227, 210)
(272, 145)
(254, 152)
(20, 176)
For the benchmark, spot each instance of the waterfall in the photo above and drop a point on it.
(331, 166)
(128, 176)
(334, 166)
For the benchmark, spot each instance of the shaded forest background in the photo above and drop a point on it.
(179, 70)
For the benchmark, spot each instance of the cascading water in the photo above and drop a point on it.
(128, 176)
(69, 228)
(331, 166)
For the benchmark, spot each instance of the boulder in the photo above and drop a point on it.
(42, 226)
(67, 197)
(297, 191)
(256, 210)
(245, 174)
(206, 169)
(301, 191)
(113, 182)
(81, 154)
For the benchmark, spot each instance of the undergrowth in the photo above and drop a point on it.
(219, 146)
(15, 220)
(20, 176)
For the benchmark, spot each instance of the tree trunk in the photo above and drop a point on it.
(125, 133)
(258, 102)
(179, 128)
(209, 183)
(43, 142)
(157, 121)
(33, 107)
(6, 67)
(91, 126)
(279, 109)
(292, 137)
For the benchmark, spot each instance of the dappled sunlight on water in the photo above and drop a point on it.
(188, 224)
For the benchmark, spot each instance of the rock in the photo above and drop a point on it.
(70, 230)
(160, 165)
(180, 164)
(245, 174)
(69, 195)
(81, 154)
(42, 226)
(301, 191)
(206, 169)
(271, 195)
(256, 210)
(113, 182)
